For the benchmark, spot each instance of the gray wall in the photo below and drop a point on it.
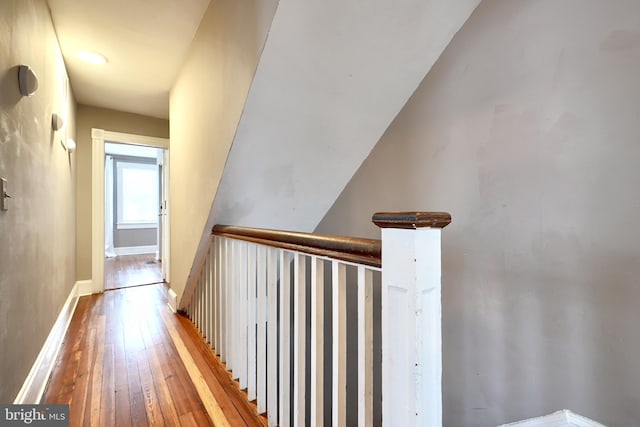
(528, 131)
(37, 233)
(135, 237)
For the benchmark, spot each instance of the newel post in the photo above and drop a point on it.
(411, 317)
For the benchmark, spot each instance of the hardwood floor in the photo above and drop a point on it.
(131, 270)
(128, 361)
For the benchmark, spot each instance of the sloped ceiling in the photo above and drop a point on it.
(145, 43)
(332, 77)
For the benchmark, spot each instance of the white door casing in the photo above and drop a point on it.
(99, 136)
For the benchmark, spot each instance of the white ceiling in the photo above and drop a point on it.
(144, 41)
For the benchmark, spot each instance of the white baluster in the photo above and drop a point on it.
(339, 340)
(285, 338)
(272, 336)
(220, 303)
(230, 307)
(317, 342)
(235, 311)
(218, 294)
(206, 306)
(242, 314)
(262, 329)
(211, 293)
(365, 346)
(213, 281)
(224, 302)
(251, 320)
(199, 320)
(300, 338)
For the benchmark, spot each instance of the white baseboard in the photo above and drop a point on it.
(172, 300)
(557, 419)
(85, 287)
(136, 250)
(36, 382)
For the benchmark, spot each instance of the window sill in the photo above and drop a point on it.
(136, 225)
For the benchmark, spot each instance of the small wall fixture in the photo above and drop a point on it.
(70, 145)
(92, 57)
(57, 122)
(27, 80)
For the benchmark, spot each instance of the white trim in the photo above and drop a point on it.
(97, 208)
(557, 419)
(172, 300)
(166, 235)
(99, 136)
(86, 287)
(136, 250)
(136, 225)
(129, 138)
(36, 382)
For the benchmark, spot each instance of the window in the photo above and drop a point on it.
(137, 195)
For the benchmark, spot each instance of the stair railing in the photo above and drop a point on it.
(275, 305)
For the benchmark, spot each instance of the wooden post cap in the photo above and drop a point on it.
(411, 219)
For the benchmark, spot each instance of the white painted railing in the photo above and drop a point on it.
(301, 320)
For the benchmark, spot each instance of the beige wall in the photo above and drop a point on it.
(37, 251)
(527, 130)
(205, 106)
(114, 121)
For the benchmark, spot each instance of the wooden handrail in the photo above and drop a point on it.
(411, 220)
(350, 249)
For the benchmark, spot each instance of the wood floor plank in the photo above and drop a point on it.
(205, 387)
(122, 398)
(120, 365)
(164, 395)
(202, 419)
(65, 369)
(152, 404)
(107, 403)
(187, 420)
(97, 371)
(231, 388)
(79, 395)
(195, 419)
(136, 396)
(178, 383)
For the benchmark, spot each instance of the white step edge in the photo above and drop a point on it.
(36, 381)
(557, 419)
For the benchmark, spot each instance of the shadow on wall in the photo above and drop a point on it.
(9, 87)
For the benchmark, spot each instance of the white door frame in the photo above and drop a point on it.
(99, 136)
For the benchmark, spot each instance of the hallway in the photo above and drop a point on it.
(127, 360)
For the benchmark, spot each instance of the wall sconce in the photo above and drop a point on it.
(70, 145)
(57, 122)
(27, 80)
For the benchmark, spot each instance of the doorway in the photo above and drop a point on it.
(133, 215)
(160, 255)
